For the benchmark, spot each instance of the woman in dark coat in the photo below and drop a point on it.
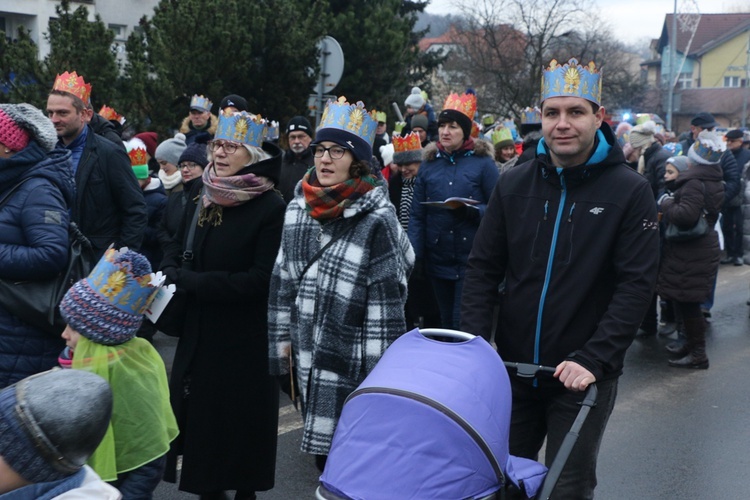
(225, 401)
(33, 230)
(689, 267)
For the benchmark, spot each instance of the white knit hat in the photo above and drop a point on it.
(642, 135)
(415, 99)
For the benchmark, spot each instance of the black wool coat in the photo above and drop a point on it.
(688, 268)
(225, 401)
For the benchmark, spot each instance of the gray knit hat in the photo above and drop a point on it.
(51, 423)
(420, 121)
(171, 149)
(34, 122)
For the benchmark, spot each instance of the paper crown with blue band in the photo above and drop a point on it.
(572, 80)
(200, 102)
(707, 148)
(531, 116)
(117, 283)
(243, 127)
(352, 118)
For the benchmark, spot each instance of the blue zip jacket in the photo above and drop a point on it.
(578, 250)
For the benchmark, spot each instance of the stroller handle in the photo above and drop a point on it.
(444, 332)
(528, 370)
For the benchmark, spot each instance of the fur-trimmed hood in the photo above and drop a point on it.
(481, 148)
(185, 127)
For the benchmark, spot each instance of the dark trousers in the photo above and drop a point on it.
(550, 412)
(448, 296)
(140, 483)
(731, 226)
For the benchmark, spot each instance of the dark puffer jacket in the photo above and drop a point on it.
(33, 246)
(688, 267)
(444, 237)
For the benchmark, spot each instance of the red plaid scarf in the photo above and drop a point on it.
(324, 203)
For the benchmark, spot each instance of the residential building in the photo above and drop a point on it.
(711, 67)
(34, 15)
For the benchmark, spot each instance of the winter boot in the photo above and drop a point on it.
(695, 330)
(678, 347)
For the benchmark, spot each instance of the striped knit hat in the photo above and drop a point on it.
(21, 122)
(107, 307)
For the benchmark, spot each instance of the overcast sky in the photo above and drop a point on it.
(631, 20)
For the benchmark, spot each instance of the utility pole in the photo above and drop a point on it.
(672, 57)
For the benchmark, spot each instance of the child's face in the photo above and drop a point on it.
(71, 337)
(671, 173)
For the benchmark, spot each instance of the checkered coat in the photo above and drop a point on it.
(346, 309)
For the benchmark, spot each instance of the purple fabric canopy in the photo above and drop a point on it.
(422, 424)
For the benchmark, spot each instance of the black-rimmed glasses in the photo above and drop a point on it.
(190, 165)
(335, 152)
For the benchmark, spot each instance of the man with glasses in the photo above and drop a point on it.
(298, 158)
(706, 121)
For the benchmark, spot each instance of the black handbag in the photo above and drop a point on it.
(701, 228)
(37, 302)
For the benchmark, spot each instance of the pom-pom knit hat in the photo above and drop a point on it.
(415, 99)
(171, 149)
(107, 307)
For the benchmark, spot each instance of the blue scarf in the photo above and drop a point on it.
(76, 148)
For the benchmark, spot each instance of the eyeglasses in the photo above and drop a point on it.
(335, 152)
(190, 165)
(229, 147)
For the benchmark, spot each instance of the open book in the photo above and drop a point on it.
(451, 203)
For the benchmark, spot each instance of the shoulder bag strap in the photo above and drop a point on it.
(187, 255)
(350, 223)
(12, 190)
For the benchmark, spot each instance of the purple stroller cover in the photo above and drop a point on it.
(389, 444)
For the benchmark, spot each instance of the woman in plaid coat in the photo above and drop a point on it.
(340, 309)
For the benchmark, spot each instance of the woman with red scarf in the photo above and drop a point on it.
(457, 166)
(339, 283)
(223, 396)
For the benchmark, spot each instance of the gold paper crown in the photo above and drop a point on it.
(110, 114)
(242, 127)
(73, 84)
(465, 103)
(572, 79)
(352, 118)
(409, 142)
(200, 102)
(138, 157)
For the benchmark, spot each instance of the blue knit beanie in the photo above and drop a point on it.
(107, 307)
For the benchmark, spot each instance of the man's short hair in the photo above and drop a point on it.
(78, 104)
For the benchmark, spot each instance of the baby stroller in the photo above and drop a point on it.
(431, 421)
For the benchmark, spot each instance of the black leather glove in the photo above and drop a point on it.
(172, 274)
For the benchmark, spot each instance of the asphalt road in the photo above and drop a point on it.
(673, 434)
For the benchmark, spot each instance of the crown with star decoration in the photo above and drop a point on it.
(572, 79)
(353, 118)
(138, 157)
(73, 84)
(464, 103)
(243, 127)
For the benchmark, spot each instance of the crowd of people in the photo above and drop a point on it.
(559, 239)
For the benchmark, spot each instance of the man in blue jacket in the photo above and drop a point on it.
(573, 233)
(109, 206)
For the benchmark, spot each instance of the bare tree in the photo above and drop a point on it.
(506, 44)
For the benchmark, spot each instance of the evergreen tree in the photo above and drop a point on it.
(83, 46)
(22, 77)
(381, 55)
(260, 50)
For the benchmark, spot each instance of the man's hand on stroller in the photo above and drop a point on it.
(573, 376)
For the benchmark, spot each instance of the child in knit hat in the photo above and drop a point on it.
(104, 312)
(168, 155)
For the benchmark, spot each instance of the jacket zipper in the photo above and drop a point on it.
(548, 273)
